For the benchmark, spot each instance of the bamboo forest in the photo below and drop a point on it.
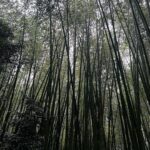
(74, 75)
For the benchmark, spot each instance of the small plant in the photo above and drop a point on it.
(26, 125)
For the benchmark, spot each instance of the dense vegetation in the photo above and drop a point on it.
(74, 74)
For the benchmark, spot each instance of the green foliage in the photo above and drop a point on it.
(7, 48)
(26, 126)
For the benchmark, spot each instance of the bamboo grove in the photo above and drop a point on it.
(80, 77)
